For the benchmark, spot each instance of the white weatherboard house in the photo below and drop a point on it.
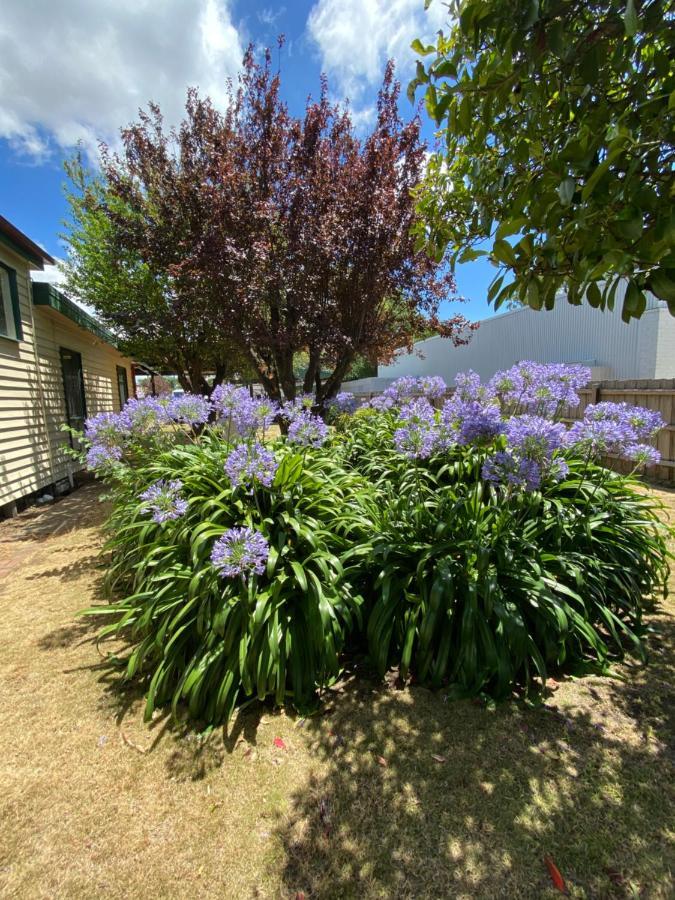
(641, 349)
(58, 365)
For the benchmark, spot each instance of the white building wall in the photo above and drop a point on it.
(644, 348)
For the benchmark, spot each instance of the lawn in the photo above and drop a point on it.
(389, 793)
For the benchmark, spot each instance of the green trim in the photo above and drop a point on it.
(22, 252)
(16, 306)
(45, 294)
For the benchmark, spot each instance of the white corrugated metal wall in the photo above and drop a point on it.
(644, 348)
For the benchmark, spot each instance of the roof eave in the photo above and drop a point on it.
(20, 243)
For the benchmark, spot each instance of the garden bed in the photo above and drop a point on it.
(389, 793)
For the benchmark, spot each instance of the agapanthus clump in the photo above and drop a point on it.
(144, 417)
(189, 409)
(101, 457)
(250, 465)
(163, 500)
(344, 402)
(307, 430)
(240, 551)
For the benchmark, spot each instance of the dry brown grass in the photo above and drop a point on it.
(94, 804)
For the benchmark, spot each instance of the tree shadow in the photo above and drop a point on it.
(81, 508)
(73, 570)
(79, 632)
(415, 797)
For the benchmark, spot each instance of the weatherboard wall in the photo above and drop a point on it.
(32, 401)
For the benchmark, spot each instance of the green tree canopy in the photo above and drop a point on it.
(559, 147)
(158, 321)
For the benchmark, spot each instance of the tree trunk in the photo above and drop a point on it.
(332, 384)
(312, 375)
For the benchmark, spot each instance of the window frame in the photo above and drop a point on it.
(14, 305)
(119, 371)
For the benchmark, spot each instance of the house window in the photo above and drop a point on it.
(10, 318)
(122, 385)
(73, 386)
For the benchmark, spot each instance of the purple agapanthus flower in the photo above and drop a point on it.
(254, 415)
(189, 409)
(102, 456)
(468, 388)
(240, 551)
(106, 429)
(613, 428)
(534, 436)
(642, 454)
(418, 412)
(471, 421)
(144, 416)
(403, 388)
(163, 500)
(416, 440)
(344, 402)
(291, 409)
(504, 467)
(540, 388)
(645, 423)
(307, 430)
(383, 402)
(251, 464)
(433, 387)
(591, 438)
(226, 398)
(418, 435)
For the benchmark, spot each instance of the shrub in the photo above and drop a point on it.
(211, 635)
(475, 540)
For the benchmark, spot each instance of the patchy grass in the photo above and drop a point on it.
(390, 793)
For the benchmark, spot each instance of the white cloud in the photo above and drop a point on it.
(77, 70)
(356, 37)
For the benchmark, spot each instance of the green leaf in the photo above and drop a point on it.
(504, 252)
(630, 19)
(511, 226)
(634, 302)
(662, 283)
(422, 49)
(566, 190)
(593, 295)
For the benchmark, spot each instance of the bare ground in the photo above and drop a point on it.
(390, 793)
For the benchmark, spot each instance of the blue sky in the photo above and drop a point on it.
(78, 70)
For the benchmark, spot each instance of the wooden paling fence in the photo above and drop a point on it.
(657, 394)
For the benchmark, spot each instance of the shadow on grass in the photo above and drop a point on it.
(80, 567)
(418, 798)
